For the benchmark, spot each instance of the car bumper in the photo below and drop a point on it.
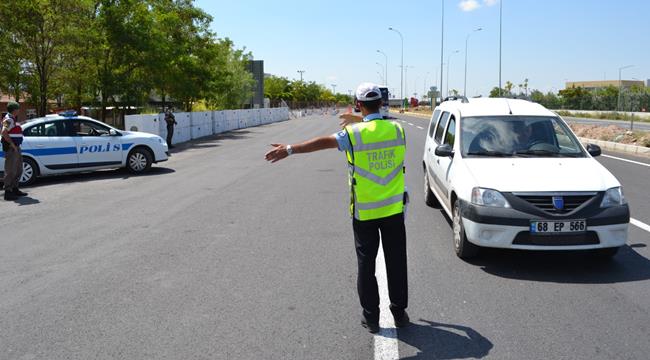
(510, 228)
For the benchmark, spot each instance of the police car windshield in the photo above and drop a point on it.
(520, 136)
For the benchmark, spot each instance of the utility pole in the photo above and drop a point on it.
(385, 67)
(466, 41)
(402, 66)
(442, 46)
(500, 40)
(448, 66)
(301, 72)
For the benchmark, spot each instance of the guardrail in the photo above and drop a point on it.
(196, 125)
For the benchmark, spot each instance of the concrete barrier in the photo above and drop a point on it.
(205, 123)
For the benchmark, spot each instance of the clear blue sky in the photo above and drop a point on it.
(546, 41)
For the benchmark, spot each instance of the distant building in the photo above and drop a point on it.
(647, 83)
(595, 85)
(256, 67)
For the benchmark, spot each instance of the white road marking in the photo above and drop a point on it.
(420, 127)
(639, 224)
(411, 124)
(386, 339)
(626, 160)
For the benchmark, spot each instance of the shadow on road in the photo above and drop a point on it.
(579, 267)
(444, 341)
(26, 200)
(210, 141)
(99, 175)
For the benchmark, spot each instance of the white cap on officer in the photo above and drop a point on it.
(368, 92)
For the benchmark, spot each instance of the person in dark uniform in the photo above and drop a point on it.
(170, 119)
(375, 150)
(12, 138)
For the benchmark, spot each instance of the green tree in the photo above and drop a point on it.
(38, 29)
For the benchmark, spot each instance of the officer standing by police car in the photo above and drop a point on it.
(170, 119)
(12, 138)
(375, 150)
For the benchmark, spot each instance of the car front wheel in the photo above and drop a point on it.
(30, 172)
(463, 248)
(139, 161)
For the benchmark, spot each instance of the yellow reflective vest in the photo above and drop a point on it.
(376, 168)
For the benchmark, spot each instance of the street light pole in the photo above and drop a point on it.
(385, 67)
(301, 72)
(448, 66)
(442, 46)
(402, 66)
(406, 68)
(466, 41)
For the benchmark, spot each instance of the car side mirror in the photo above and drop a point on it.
(594, 150)
(114, 132)
(444, 151)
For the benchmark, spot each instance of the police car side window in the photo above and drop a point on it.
(36, 130)
(434, 120)
(440, 129)
(88, 128)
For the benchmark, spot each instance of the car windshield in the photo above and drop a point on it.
(518, 136)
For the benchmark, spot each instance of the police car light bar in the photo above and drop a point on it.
(69, 113)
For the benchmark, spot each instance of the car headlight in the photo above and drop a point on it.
(613, 197)
(489, 197)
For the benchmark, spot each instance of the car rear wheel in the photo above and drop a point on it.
(429, 198)
(463, 248)
(30, 172)
(139, 161)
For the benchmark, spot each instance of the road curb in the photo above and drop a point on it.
(618, 147)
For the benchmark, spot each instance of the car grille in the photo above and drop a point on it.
(545, 202)
(526, 238)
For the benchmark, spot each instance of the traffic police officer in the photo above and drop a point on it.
(375, 150)
(12, 138)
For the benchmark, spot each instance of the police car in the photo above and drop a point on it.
(64, 144)
(512, 174)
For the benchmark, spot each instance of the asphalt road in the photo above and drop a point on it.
(218, 255)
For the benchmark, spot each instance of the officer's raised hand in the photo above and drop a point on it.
(281, 151)
(278, 153)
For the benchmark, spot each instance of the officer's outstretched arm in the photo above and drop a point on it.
(280, 152)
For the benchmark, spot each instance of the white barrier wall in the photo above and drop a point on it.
(206, 123)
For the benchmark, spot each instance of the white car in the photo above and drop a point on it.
(512, 174)
(58, 144)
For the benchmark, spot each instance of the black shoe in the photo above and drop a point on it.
(373, 327)
(10, 196)
(402, 321)
(17, 192)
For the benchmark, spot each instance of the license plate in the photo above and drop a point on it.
(558, 227)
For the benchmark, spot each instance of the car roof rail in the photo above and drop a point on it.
(463, 99)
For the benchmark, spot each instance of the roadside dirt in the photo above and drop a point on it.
(612, 133)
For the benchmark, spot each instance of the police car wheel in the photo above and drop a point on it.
(139, 161)
(30, 172)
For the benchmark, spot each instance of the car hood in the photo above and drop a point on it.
(540, 174)
(138, 134)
